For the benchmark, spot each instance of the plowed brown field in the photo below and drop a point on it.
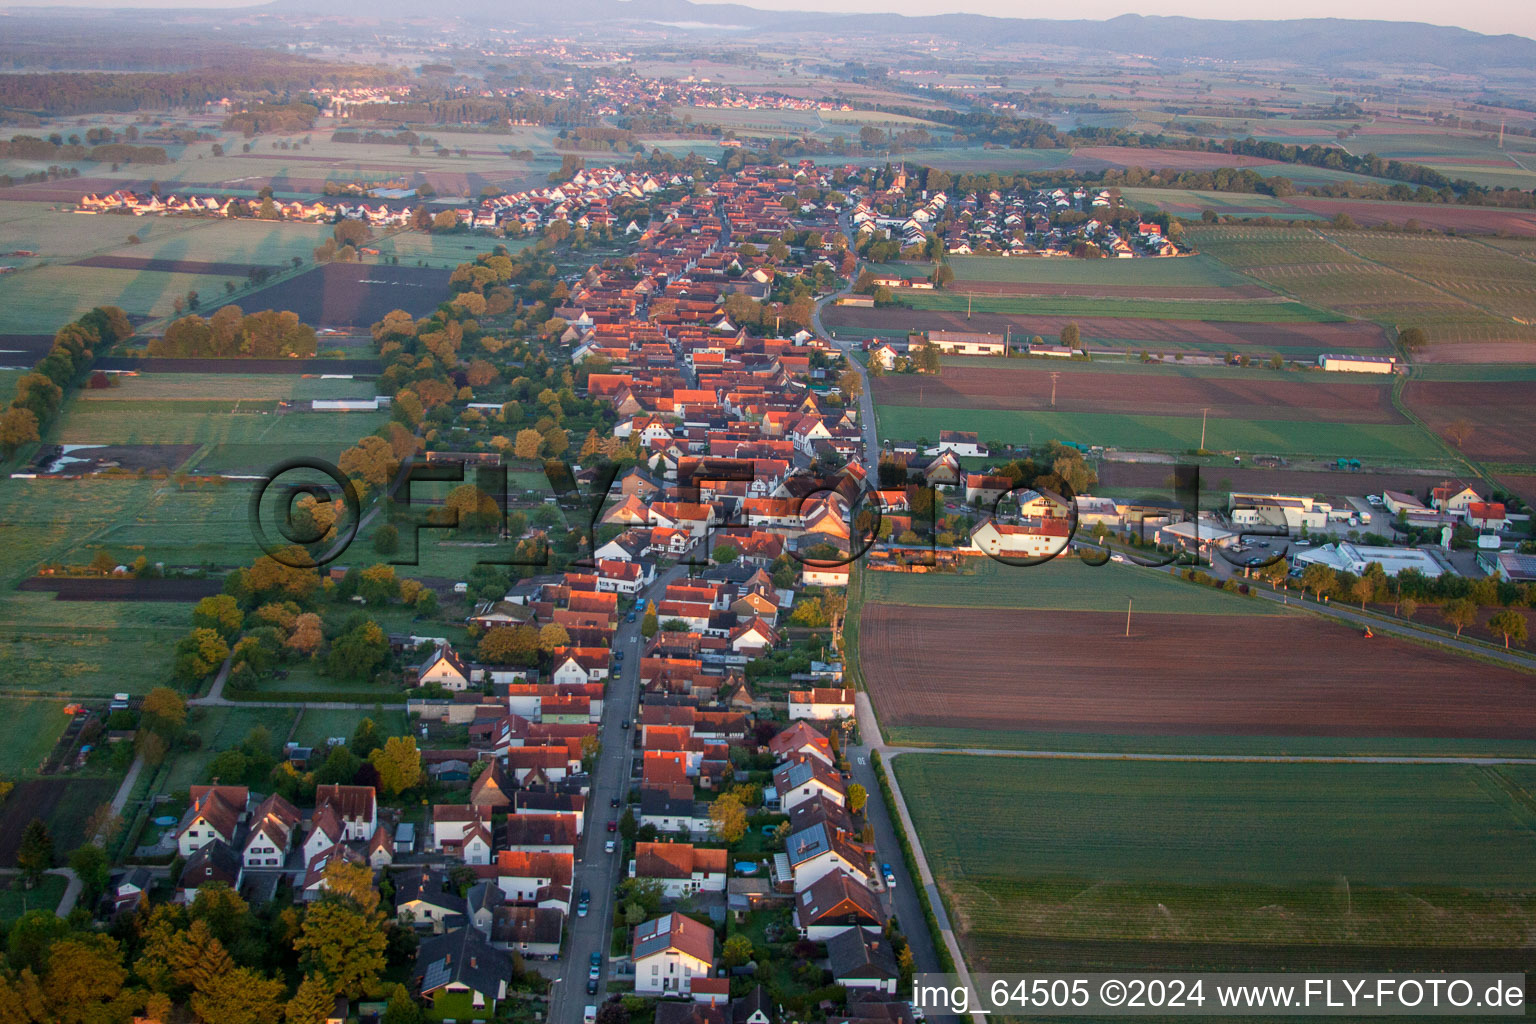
(1263, 396)
(1502, 415)
(1056, 671)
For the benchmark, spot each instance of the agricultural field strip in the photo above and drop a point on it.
(1314, 860)
(893, 751)
(1316, 267)
(1146, 683)
(1354, 245)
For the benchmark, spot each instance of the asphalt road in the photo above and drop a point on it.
(596, 871)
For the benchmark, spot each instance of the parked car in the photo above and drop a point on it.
(625, 723)
(609, 847)
(591, 986)
(613, 826)
(630, 617)
(889, 876)
(589, 1015)
(613, 802)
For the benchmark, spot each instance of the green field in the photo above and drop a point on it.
(1474, 371)
(410, 246)
(16, 899)
(1374, 855)
(1458, 290)
(220, 729)
(59, 237)
(210, 240)
(32, 729)
(1184, 272)
(315, 727)
(232, 388)
(1163, 433)
(166, 422)
(42, 520)
(1065, 584)
(40, 300)
(87, 648)
(955, 300)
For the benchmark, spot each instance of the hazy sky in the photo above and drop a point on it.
(1491, 16)
(1494, 17)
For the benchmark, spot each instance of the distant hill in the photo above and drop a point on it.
(1320, 41)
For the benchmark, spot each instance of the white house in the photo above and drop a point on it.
(821, 704)
(670, 952)
(804, 780)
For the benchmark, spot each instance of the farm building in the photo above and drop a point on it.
(1034, 538)
(1357, 364)
(1290, 512)
(824, 576)
(1508, 566)
(1091, 511)
(964, 443)
(345, 405)
(1353, 558)
(963, 343)
(1397, 501)
(1201, 536)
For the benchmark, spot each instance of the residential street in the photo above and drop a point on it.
(596, 871)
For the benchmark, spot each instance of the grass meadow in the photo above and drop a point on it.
(1185, 272)
(1381, 442)
(1065, 584)
(1259, 854)
(1237, 311)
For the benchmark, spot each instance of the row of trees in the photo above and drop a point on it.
(217, 959)
(40, 393)
(232, 333)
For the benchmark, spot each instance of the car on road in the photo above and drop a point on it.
(625, 723)
(613, 802)
(584, 904)
(888, 875)
(618, 655)
(613, 826)
(608, 847)
(630, 617)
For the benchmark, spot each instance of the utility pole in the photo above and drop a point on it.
(1128, 602)
(1055, 376)
(1203, 413)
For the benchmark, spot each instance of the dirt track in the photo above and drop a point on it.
(1177, 675)
(1156, 335)
(1265, 395)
